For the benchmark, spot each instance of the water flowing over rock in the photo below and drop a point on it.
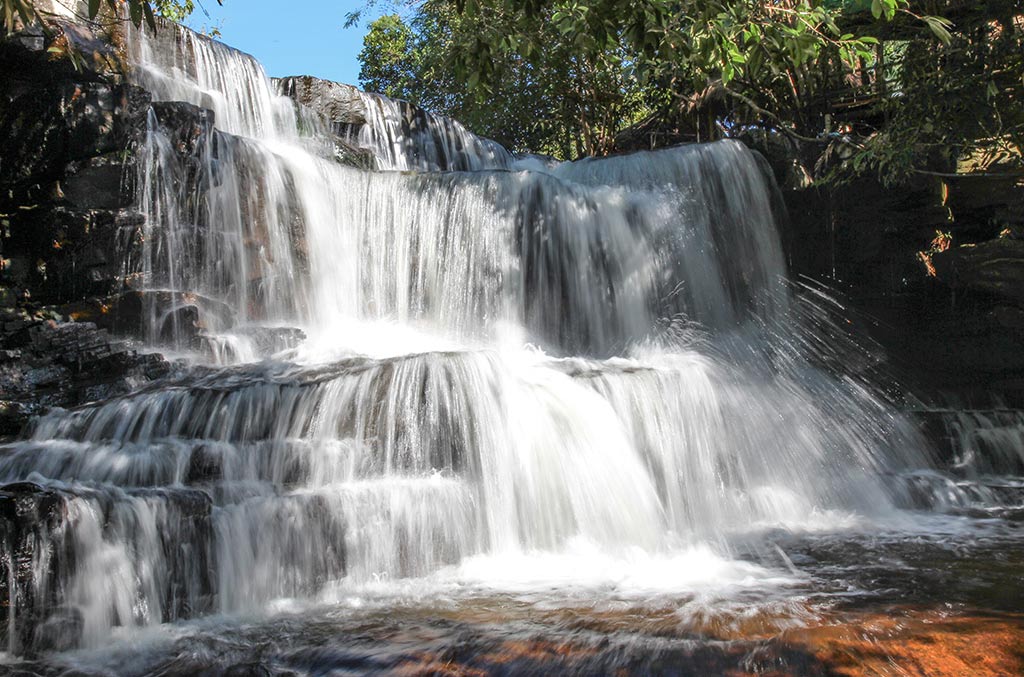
(398, 134)
(389, 375)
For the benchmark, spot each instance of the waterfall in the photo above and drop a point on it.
(390, 373)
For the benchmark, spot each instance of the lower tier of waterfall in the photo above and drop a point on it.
(244, 491)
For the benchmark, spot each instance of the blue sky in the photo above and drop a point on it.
(296, 37)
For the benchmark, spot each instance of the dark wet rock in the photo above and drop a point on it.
(28, 511)
(45, 127)
(160, 314)
(204, 465)
(994, 268)
(101, 182)
(347, 154)
(186, 125)
(96, 46)
(972, 442)
(248, 670)
(67, 136)
(58, 254)
(959, 331)
(49, 363)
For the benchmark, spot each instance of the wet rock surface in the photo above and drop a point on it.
(48, 363)
(934, 266)
(994, 268)
(336, 102)
(339, 105)
(66, 168)
(915, 642)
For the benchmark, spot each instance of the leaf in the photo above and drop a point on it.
(94, 8)
(938, 26)
(25, 11)
(135, 11)
(150, 19)
(351, 19)
(876, 8)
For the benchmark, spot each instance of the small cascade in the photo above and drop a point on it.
(176, 64)
(388, 374)
(218, 243)
(981, 456)
(980, 441)
(83, 559)
(404, 137)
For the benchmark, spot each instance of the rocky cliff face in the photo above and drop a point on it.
(937, 268)
(67, 136)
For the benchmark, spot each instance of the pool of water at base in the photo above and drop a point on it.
(945, 597)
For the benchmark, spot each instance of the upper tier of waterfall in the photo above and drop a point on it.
(582, 260)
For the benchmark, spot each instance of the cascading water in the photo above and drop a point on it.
(405, 138)
(434, 370)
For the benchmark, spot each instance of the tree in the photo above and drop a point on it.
(953, 105)
(389, 59)
(854, 85)
(555, 101)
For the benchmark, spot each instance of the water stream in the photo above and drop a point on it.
(501, 396)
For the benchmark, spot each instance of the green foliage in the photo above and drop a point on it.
(15, 11)
(390, 59)
(591, 68)
(956, 104)
(555, 100)
(174, 10)
(886, 86)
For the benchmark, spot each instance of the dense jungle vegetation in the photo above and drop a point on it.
(846, 87)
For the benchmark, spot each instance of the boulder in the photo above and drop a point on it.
(339, 106)
(337, 103)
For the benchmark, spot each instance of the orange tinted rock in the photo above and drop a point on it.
(918, 643)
